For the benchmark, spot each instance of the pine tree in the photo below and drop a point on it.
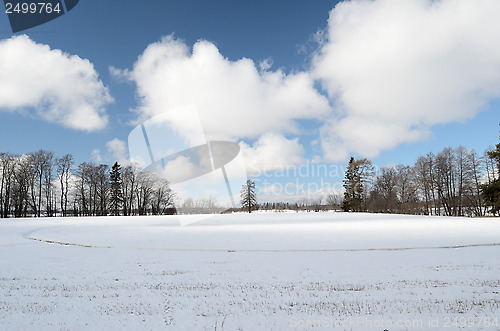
(352, 194)
(491, 191)
(358, 174)
(115, 177)
(495, 155)
(248, 196)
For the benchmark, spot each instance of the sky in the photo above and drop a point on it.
(299, 85)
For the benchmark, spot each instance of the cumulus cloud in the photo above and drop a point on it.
(180, 169)
(117, 149)
(96, 156)
(396, 68)
(272, 152)
(59, 87)
(266, 64)
(235, 99)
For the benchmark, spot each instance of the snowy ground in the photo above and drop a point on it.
(268, 271)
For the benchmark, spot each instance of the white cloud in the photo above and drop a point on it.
(60, 87)
(234, 99)
(272, 152)
(119, 74)
(396, 68)
(117, 149)
(96, 155)
(266, 64)
(180, 169)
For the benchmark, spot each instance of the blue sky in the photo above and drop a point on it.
(110, 34)
(385, 67)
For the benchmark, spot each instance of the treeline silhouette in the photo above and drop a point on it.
(450, 183)
(41, 184)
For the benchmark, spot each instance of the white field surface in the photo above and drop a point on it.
(264, 271)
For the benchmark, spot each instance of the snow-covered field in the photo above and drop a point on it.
(264, 271)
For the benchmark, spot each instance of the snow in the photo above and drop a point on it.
(263, 271)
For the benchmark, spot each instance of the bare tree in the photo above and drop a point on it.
(85, 190)
(102, 189)
(129, 187)
(64, 167)
(49, 176)
(41, 180)
(334, 201)
(7, 170)
(384, 194)
(445, 181)
(144, 191)
(23, 180)
(491, 169)
(422, 170)
(406, 190)
(473, 189)
(80, 202)
(162, 197)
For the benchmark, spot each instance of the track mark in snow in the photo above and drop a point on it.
(262, 250)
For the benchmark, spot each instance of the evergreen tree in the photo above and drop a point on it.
(248, 196)
(495, 155)
(491, 191)
(353, 189)
(115, 177)
(491, 196)
(358, 174)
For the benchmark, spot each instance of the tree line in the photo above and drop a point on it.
(454, 182)
(41, 184)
